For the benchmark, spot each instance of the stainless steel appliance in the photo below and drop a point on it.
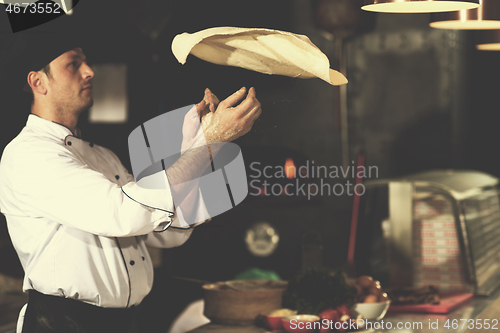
(442, 227)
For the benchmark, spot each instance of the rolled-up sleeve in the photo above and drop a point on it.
(179, 231)
(169, 238)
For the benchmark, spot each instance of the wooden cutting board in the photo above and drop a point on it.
(448, 303)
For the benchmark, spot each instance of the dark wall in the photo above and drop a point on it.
(409, 94)
(483, 135)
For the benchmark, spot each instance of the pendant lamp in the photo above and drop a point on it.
(486, 16)
(489, 40)
(418, 6)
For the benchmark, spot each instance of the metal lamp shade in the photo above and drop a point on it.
(489, 40)
(418, 6)
(486, 16)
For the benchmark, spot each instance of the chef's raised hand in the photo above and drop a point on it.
(228, 123)
(191, 125)
(192, 120)
(211, 100)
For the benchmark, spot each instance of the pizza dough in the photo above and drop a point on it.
(262, 50)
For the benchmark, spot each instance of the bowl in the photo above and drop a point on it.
(240, 302)
(272, 319)
(272, 322)
(371, 310)
(301, 323)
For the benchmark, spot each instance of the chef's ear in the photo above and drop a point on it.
(37, 82)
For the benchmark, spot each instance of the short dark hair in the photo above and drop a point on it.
(27, 87)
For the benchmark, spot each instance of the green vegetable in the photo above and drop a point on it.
(318, 289)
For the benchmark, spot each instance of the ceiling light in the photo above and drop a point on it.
(418, 6)
(486, 16)
(489, 40)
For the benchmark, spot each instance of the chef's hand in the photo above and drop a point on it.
(192, 120)
(219, 124)
(211, 100)
(228, 123)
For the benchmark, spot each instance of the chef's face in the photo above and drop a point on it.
(68, 87)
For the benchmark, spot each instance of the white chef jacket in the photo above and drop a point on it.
(78, 220)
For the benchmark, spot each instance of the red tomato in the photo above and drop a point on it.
(344, 310)
(332, 316)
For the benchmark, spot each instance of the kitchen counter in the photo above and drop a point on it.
(478, 308)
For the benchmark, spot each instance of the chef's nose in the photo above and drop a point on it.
(88, 73)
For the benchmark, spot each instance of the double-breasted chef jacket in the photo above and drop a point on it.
(79, 221)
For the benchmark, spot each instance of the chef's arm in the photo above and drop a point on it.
(169, 238)
(217, 127)
(225, 124)
(183, 176)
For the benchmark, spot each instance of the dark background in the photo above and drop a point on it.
(418, 99)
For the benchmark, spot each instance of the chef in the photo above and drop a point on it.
(78, 220)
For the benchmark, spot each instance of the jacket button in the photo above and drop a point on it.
(69, 143)
(91, 144)
(132, 263)
(117, 177)
(143, 258)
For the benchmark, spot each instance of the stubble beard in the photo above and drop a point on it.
(85, 104)
(70, 107)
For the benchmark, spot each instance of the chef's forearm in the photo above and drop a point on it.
(192, 164)
(183, 175)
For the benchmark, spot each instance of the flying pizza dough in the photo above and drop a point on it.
(262, 50)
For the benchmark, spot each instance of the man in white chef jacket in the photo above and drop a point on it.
(78, 220)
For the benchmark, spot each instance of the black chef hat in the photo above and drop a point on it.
(34, 49)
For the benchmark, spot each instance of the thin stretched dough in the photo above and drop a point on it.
(262, 50)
